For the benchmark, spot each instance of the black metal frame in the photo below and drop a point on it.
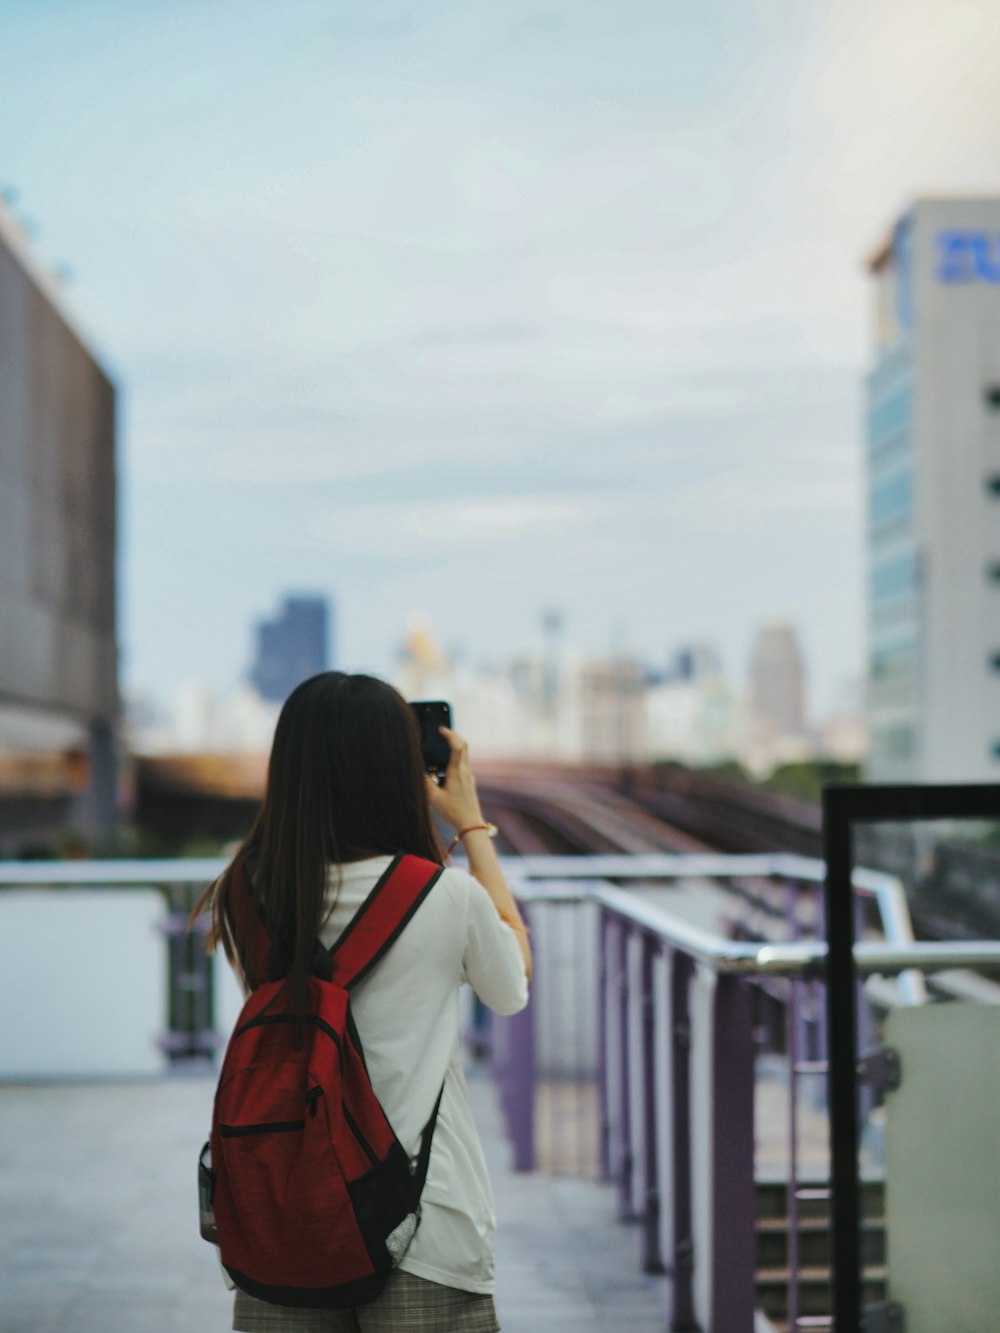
(843, 807)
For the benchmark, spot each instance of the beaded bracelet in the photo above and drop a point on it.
(491, 829)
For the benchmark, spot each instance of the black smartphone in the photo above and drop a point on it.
(432, 714)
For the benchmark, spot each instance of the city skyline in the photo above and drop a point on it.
(554, 705)
(410, 308)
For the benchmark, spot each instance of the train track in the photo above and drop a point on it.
(564, 818)
(729, 816)
(589, 815)
(663, 809)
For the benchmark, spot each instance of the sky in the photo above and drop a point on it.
(472, 310)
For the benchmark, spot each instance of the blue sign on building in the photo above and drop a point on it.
(968, 256)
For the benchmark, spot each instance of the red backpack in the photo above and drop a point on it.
(313, 1196)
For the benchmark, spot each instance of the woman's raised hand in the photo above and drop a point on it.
(456, 801)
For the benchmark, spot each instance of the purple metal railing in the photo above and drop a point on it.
(512, 1056)
(679, 1021)
(622, 1157)
(603, 989)
(638, 1058)
(652, 1260)
(681, 972)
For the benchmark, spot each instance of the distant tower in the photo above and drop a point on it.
(552, 627)
(776, 681)
(291, 647)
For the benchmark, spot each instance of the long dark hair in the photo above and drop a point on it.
(345, 781)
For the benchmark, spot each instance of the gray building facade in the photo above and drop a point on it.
(933, 497)
(58, 523)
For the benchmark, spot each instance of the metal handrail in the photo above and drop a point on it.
(83, 874)
(578, 878)
(793, 959)
(886, 891)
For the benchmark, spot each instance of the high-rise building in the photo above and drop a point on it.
(291, 647)
(777, 688)
(933, 489)
(58, 551)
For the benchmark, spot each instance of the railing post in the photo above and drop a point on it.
(625, 1164)
(864, 1021)
(652, 1261)
(733, 1202)
(636, 1020)
(613, 1067)
(520, 1076)
(795, 1054)
(683, 1318)
(603, 998)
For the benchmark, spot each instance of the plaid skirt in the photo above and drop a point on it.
(408, 1304)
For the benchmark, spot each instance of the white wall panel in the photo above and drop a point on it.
(83, 983)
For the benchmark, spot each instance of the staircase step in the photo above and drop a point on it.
(814, 1241)
(814, 1198)
(814, 1289)
(813, 1207)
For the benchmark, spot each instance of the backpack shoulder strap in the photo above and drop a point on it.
(380, 919)
(370, 933)
(269, 961)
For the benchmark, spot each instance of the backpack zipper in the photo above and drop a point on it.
(263, 1127)
(266, 1020)
(312, 1101)
(356, 1131)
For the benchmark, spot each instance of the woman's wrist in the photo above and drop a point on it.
(466, 819)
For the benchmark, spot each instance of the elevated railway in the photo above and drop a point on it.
(573, 818)
(728, 816)
(588, 813)
(646, 809)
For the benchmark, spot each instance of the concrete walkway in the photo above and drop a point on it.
(98, 1222)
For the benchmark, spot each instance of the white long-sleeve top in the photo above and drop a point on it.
(406, 1011)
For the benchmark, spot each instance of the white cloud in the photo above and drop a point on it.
(440, 527)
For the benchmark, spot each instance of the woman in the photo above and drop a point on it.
(346, 793)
